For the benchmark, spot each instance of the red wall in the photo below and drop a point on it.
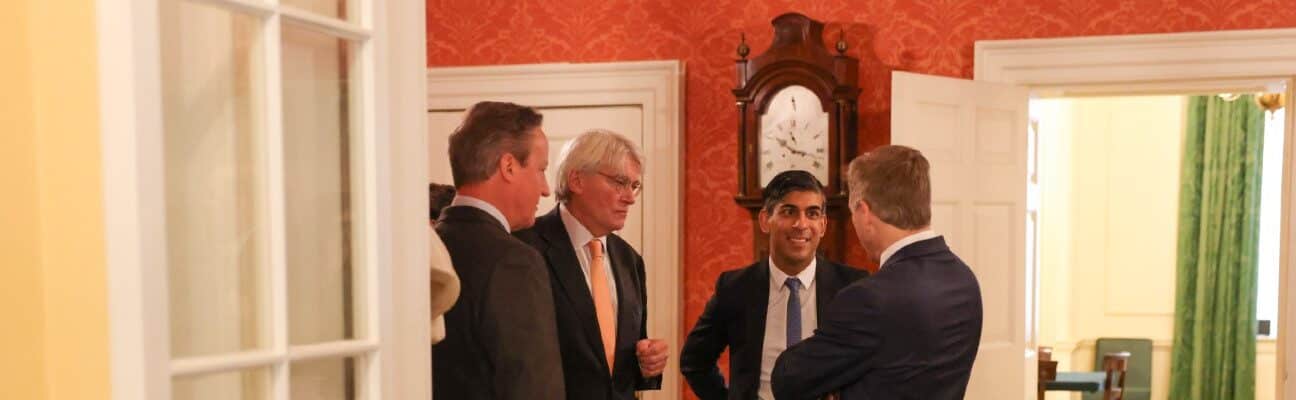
(932, 37)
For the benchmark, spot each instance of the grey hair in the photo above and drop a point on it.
(590, 151)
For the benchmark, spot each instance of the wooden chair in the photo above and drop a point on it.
(1114, 364)
(1047, 372)
(1047, 369)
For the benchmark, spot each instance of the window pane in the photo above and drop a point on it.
(339, 9)
(327, 379)
(322, 187)
(215, 179)
(236, 385)
(1270, 220)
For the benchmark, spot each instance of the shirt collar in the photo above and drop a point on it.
(806, 276)
(905, 241)
(579, 234)
(464, 200)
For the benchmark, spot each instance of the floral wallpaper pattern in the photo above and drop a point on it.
(928, 36)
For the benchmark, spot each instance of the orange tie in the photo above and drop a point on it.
(602, 300)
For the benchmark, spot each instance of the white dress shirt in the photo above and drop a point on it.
(776, 319)
(462, 200)
(580, 237)
(905, 241)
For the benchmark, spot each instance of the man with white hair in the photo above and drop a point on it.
(598, 280)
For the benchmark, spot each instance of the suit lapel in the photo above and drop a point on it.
(757, 289)
(561, 258)
(827, 283)
(627, 290)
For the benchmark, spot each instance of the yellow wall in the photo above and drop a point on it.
(51, 243)
(22, 373)
(1109, 203)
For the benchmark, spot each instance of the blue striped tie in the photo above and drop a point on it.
(793, 311)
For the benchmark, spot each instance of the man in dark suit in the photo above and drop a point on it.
(501, 341)
(911, 330)
(759, 310)
(599, 292)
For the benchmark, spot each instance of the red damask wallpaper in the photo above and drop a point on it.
(925, 36)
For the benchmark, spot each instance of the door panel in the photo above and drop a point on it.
(974, 135)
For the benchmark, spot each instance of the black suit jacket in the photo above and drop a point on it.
(909, 332)
(735, 318)
(501, 341)
(583, 361)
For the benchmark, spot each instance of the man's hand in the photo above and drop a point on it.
(652, 356)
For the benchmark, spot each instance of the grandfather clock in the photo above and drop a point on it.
(797, 105)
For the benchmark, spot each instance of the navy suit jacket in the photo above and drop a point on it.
(734, 317)
(910, 331)
(583, 364)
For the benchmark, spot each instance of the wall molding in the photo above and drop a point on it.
(1139, 63)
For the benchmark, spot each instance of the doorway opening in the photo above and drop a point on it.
(1103, 196)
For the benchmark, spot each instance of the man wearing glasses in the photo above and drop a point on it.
(598, 280)
(764, 308)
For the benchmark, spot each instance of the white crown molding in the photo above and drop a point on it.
(1140, 63)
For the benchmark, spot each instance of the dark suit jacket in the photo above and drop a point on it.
(909, 332)
(501, 341)
(735, 318)
(583, 361)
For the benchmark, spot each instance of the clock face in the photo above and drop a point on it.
(794, 135)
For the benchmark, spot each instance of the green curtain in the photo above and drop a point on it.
(1213, 355)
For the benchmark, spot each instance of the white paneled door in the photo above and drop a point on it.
(975, 136)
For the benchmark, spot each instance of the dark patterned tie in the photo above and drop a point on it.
(793, 311)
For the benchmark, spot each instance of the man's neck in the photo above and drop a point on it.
(789, 266)
(487, 193)
(584, 218)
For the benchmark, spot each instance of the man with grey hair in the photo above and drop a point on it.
(501, 341)
(599, 292)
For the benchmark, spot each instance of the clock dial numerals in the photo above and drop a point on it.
(794, 134)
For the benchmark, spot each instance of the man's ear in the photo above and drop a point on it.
(575, 182)
(862, 208)
(763, 218)
(508, 166)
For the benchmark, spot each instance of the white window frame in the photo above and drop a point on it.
(390, 53)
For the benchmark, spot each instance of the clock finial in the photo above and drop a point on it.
(743, 49)
(841, 42)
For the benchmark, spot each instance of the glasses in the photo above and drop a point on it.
(624, 184)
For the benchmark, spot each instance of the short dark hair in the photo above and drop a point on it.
(490, 129)
(895, 181)
(787, 182)
(439, 197)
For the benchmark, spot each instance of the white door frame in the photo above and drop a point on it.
(1244, 60)
(655, 86)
